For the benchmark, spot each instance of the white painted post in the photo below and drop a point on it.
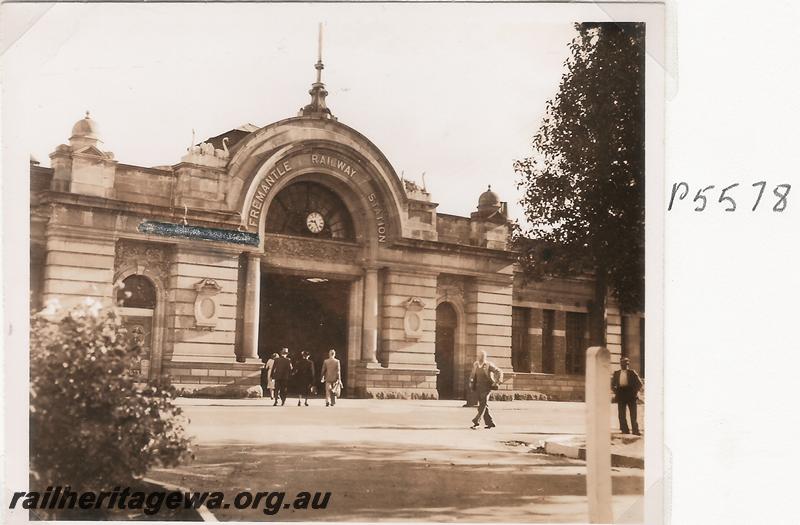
(598, 434)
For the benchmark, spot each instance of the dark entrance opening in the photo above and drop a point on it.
(304, 313)
(446, 322)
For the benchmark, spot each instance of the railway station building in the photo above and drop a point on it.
(301, 234)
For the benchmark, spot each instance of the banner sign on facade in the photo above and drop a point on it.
(198, 232)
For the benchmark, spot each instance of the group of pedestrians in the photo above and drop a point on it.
(486, 377)
(279, 370)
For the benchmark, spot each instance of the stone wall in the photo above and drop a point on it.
(198, 347)
(394, 383)
(397, 348)
(555, 387)
(78, 268)
(200, 186)
(488, 313)
(452, 229)
(147, 186)
(192, 376)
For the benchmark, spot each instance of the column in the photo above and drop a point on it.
(369, 341)
(631, 340)
(355, 321)
(560, 342)
(535, 338)
(613, 330)
(252, 302)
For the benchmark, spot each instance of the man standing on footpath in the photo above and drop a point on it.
(281, 371)
(626, 385)
(332, 377)
(485, 378)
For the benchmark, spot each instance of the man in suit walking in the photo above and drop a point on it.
(626, 385)
(331, 374)
(281, 371)
(485, 378)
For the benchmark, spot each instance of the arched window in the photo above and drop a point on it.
(136, 291)
(136, 299)
(309, 209)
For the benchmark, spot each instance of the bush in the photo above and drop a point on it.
(91, 425)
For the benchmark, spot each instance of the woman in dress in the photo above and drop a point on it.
(304, 375)
(266, 374)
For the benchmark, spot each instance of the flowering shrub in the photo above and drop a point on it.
(91, 426)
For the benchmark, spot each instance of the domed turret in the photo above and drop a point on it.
(85, 132)
(490, 207)
(489, 200)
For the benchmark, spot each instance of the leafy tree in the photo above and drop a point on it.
(92, 425)
(583, 188)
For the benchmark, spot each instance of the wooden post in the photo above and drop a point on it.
(598, 434)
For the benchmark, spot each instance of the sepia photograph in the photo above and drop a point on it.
(346, 262)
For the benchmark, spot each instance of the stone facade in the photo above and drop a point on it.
(391, 262)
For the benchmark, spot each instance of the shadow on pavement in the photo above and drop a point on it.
(379, 481)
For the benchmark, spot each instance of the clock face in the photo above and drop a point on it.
(315, 222)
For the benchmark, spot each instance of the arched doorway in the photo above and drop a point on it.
(304, 314)
(446, 325)
(136, 298)
(300, 309)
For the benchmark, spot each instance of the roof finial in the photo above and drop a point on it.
(319, 65)
(87, 114)
(318, 107)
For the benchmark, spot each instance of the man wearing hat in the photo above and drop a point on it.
(281, 371)
(626, 385)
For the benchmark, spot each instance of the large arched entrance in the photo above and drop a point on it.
(301, 309)
(446, 325)
(304, 314)
(324, 201)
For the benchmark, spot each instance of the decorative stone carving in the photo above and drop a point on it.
(223, 153)
(153, 257)
(312, 249)
(206, 304)
(412, 320)
(205, 154)
(450, 288)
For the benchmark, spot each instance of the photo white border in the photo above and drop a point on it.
(15, 271)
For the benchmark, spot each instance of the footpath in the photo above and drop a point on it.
(627, 450)
(398, 460)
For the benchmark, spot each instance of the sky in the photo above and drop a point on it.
(453, 91)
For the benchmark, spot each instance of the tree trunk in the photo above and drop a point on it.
(597, 312)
